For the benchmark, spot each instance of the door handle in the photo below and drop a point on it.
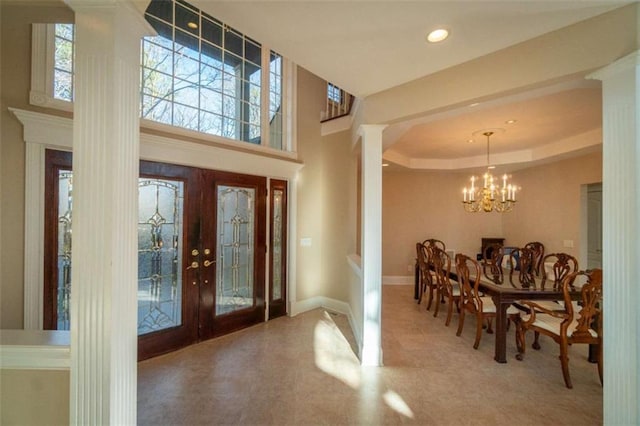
(194, 265)
(208, 263)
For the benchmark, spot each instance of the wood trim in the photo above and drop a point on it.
(278, 307)
(54, 162)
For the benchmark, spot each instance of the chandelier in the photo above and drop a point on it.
(491, 196)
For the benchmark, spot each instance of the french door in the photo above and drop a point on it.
(201, 252)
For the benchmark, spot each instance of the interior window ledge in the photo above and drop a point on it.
(35, 350)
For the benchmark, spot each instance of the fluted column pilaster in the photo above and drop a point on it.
(104, 226)
(621, 239)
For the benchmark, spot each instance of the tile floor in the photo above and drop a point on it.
(303, 371)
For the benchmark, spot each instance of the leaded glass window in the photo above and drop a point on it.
(160, 225)
(159, 254)
(65, 202)
(236, 216)
(278, 230)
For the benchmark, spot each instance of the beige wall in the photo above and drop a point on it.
(15, 54)
(550, 203)
(420, 205)
(34, 397)
(323, 198)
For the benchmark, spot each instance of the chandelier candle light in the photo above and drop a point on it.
(491, 196)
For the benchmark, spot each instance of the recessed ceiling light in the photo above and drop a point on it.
(385, 164)
(470, 141)
(510, 121)
(437, 35)
(192, 25)
(475, 104)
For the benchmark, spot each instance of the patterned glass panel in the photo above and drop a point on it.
(65, 201)
(159, 254)
(234, 281)
(278, 195)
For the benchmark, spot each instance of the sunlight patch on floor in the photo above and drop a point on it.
(334, 356)
(396, 402)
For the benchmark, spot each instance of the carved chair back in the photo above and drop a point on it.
(469, 274)
(492, 262)
(432, 242)
(589, 316)
(538, 255)
(563, 265)
(521, 262)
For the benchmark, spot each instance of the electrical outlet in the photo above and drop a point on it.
(409, 268)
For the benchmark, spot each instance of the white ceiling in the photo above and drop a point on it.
(369, 46)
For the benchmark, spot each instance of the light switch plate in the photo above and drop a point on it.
(305, 242)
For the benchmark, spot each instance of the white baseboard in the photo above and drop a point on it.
(332, 305)
(398, 280)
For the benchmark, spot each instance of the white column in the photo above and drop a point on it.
(371, 219)
(621, 239)
(105, 167)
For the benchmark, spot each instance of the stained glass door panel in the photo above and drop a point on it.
(235, 249)
(278, 254)
(160, 236)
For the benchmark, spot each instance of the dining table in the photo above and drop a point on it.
(510, 288)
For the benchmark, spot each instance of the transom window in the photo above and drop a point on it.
(198, 74)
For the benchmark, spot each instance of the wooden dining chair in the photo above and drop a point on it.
(569, 326)
(468, 271)
(427, 279)
(432, 242)
(520, 263)
(561, 265)
(446, 288)
(538, 255)
(492, 263)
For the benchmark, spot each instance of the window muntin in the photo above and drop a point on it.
(63, 62)
(200, 74)
(334, 93)
(275, 101)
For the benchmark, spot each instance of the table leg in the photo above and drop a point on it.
(593, 353)
(501, 329)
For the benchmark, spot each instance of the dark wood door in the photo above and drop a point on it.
(234, 249)
(201, 252)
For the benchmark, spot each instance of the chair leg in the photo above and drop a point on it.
(600, 362)
(460, 322)
(520, 340)
(430, 300)
(438, 296)
(478, 331)
(421, 289)
(564, 361)
(489, 325)
(536, 343)
(449, 311)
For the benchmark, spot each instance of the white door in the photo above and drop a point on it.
(594, 224)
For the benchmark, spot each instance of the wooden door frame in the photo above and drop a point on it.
(210, 324)
(278, 307)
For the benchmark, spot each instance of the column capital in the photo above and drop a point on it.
(623, 64)
(370, 129)
(129, 11)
